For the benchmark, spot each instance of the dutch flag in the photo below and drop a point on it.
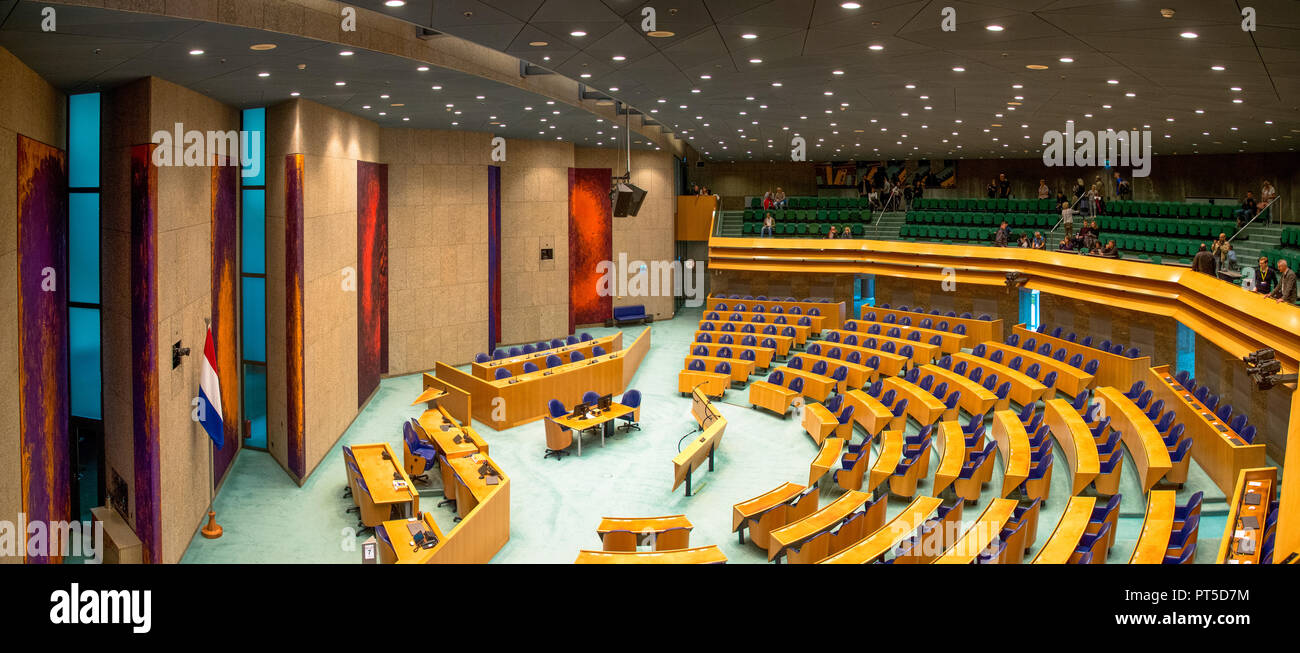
(210, 393)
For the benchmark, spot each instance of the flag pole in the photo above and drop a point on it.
(212, 530)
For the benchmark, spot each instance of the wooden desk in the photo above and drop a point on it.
(1023, 391)
(1222, 454)
(827, 456)
(1013, 444)
(901, 527)
(1065, 538)
(783, 343)
(954, 455)
(1144, 443)
(603, 420)
(979, 330)
(975, 399)
(752, 511)
(1263, 481)
(696, 452)
(646, 528)
(980, 534)
(870, 413)
(502, 405)
(817, 322)
(800, 336)
(833, 310)
(762, 355)
(1075, 438)
(1069, 379)
(404, 551)
(1157, 527)
(830, 515)
(712, 383)
(815, 386)
(380, 475)
(1112, 369)
(471, 489)
(819, 422)
(890, 364)
(773, 397)
(704, 555)
(855, 375)
(921, 405)
(948, 342)
(891, 452)
(740, 369)
(922, 353)
(515, 364)
(455, 441)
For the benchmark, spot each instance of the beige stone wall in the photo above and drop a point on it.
(332, 142)
(31, 107)
(650, 235)
(184, 300)
(437, 246)
(534, 210)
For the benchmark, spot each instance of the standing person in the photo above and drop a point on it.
(1204, 262)
(1220, 251)
(769, 223)
(1285, 290)
(1265, 277)
(895, 197)
(1060, 197)
(1266, 195)
(1247, 210)
(1038, 242)
(1122, 190)
(1079, 188)
(908, 194)
(1004, 186)
(1003, 234)
(992, 189)
(1067, 219)
(1043, 191)
(779, 198)
(920, 190)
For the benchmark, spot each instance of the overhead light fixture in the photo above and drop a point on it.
(263, 74)
(585, 75)
(262, 47)
(1189, 35)
(706, 76)
(1066, 60)
(196, 52)
(776, 84)
(422, 69)
(748, 36)
(436, 88)
(661, 33)
(577, 32)
(619, 57)
(394, 3)
(850, 5)
(1036, 66)
(993, 28)
(294, 94)
(346, 53)
(1218, 68)
(958, 69)
(340, 83)
(1112, 81)
(876, 46)
(837, 72)
(755, 60)
(538, 44)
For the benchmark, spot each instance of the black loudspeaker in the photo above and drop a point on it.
(627, 200)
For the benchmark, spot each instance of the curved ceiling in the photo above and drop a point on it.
(96, 49)
(907, 99)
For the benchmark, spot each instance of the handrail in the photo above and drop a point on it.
(1255, 217)
(884, 208)
(1060, 221)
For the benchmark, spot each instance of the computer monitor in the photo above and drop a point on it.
(580, 410)
(605, 402)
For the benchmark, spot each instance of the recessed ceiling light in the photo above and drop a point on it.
(196, 52)
(1236, 101)
(585, 75)
(478, 97)
(748, 36)
(958, 69)
(1112, 81)
(394, 3)
(661, 33)
(577, 32)
(876, 46)
(262, 47)
(850, 5)
(436, 88)
(1235, 88)
(776, 83)
(837, 72)
(706, 76)
(613, 88)
(755, 60)
(993, 28)
(422, 69)
(909, 86)
(1066, 60)
(346, 53)
(1036, 66)
(295, 94)
(1218, 68)
(1189, 35)
(263, 74)
(340, 83)
(1130, 94)
(619, 57)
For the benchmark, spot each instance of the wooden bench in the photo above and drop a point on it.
(1075, 438)
(703, 555)
(662, 533)
(885, 538)
(798, 534)
(1145, 446)
(772, 509)
(1060, 547)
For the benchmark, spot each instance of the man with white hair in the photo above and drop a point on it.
(1285, 290)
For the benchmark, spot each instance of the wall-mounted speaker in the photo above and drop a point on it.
(627, 200)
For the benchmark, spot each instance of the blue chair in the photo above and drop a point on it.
(631, 399)
(1012, 340)
(976, 421)
(515, 351)
(1033, 370)
(1173, 436)
(571, 340)
(887, 399)
(1238, 422)
(990, 382)
(873, 330)
(553, 361)
(940, 390)
(707, 326)
(696, 365)
(1182, 377)
(959, 368)
(1076, 361)
(996, 357)
(1087, 341)
(725, 352)
(1016, 363)
(888, 347)
(576, 356)
(894, 332)
(1003, 390)
(1157, 407)
(1060, 354)
(1248, 434)
(1117, 349)
(900, 407)
(1202, 393)
(729, 327)
(776, 378)
(1110, 444)
(835, 352)
(796, 384)
(778, 310)
(832, 404)
(980, 350)
(1031, 344)
(556, 343)
(946, 362)
(1027, 413)
(905, 321)
(854, 357)
(950, 403)
(529, 349)
(1101, 427)
(1165, 422)
(925, 383)
(759, 309)
(795, 363)
(530, 366)
(598, 351)
(726, 339)
(1091, 367)
(1143, 399)
(499, 354)
(926, 323)
(502, 373)
(1049, 380)
(1046, 349)
(906, 351)
(976, 374)
(705, 338)
(749, 341)
(749, 328)
(875, 388)
(481, 358)
(890, 319)
(590, 397)
(1224, 412)
(911, 375)
(1056, 333)
(941, 326)
(851, 325)
(768, 343)
(425, 452)
(1135, 391)
(819, 367)
(915, 336)
(1133, 353)
(723, 367)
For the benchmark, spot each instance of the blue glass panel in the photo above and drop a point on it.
(254, 318)
(83, 345)
(254, 232)
(83, 247)
(1186, 360)
(255, 121)
(83, 140)
(1029, 308)
(255, 404)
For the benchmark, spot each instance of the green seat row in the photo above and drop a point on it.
(816, 203)
(801, 229)
(1035, 220)
(946, 233)
(820, 215)
(1000, 205)
(1188, 228)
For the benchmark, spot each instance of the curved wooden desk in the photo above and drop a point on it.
(783, 343)
(818, 322)
(855, 375)
(825, 519)
(921, 405)
(741, 370)
(949, 342)
(1144, 443)
(766, 511)
(704, 555)
(1013, 444)
(1069, 379)
(1222, 454)
(884, 539)
(1112, 369)
(980, 534)
(827, 456)
(978, 330)
(975, 399)
(921, 352)
(833, 310)
(698, 450)
(515, 364)
(800, 332)
(1075, 438)
(954, 455)
(1157, 527)
(890, 364)
(1023, 391)
(891, 452)
(869, 413)
(1065, 538)
(762, 355)
(815, 386)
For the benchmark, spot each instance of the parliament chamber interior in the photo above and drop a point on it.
(424, 282)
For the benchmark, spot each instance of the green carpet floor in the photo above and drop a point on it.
(556, 504)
